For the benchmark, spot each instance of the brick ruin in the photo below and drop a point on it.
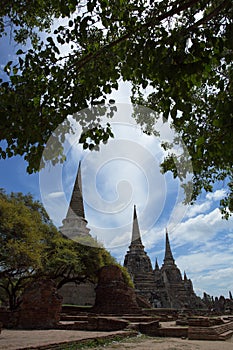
(40, 307)
(162, 287)
(113, 295)
(219, 305)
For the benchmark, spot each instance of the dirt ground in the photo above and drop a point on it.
(170, 344)
(20, 339)
(34, 339)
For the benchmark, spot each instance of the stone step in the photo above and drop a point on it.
(65, 317)
(223, 328)
(220, 332)
(226, 335)
(138, 319)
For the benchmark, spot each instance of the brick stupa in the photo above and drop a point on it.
(75, 225)
(162, 287)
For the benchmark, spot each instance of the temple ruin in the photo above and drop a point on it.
(75, 225)
(162, 287)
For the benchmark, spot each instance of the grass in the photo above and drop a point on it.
(100, 342)
(78, 306)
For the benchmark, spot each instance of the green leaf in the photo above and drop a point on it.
(19, 52)
(200, 141)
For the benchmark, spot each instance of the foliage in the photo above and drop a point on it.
(31, 247)
(21, 17)
(68, 261)
(22, 228)
(126, 276)
(182, 50)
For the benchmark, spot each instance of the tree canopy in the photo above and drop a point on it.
(182, 50)
(25, 17)
(31, 247)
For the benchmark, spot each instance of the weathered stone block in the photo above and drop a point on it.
(149, 327)
(40, 307)
(113, 295)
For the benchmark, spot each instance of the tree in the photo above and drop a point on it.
(31, 247)
(181, 49)
(23, 17)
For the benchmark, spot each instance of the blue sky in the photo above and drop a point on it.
(126, 172)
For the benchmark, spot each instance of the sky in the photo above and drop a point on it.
(126, 172)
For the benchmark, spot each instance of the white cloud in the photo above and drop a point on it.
(205, 205)
(216, 282)
(55, 194)
(217, 195)
(203, 246)
(200, 262)
(200, 229)
(198, 208)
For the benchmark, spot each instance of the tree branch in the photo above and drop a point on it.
(212, 14)
(176, 9)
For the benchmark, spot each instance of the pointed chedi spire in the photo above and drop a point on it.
(156, 264)
(137, 261)
(136, 236)
(76, 207)
(185, 276)
(168, 258)
(75, 224)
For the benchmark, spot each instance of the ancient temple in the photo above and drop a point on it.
(138, 263)
(75, 225)
(162, 287)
